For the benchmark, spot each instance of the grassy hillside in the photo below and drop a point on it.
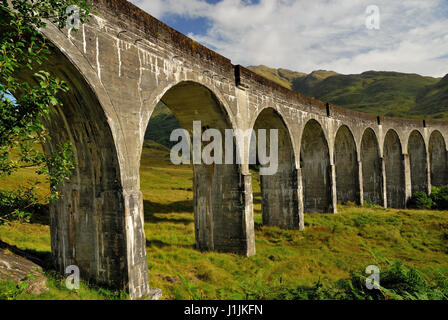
(282, 77)
(433, 100)
(331, 247)
(162, 123)
(306, 84)
(384, 93)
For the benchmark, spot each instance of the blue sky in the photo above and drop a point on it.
(305, 35)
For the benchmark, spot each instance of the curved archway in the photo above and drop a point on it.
(219, 208)
(372, 177)
(395, 179)
(438, 159)
(279, 190)
(347, 168)
(418, 162)
(315, 164)
(88, 222)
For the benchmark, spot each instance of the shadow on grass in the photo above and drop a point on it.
(41, 216)
(42, 259)
(257, 198)
(173, 207)
(160, 245)
(151, 209)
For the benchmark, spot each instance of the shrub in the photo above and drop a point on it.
(398, 282)
(18, 205)
(440, 197)
(420, 200)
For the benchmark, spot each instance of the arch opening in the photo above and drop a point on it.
(418, 162)
(217, 188)
(279, 196)
(87, 222)
(315, 166)
(395, 179)
(438, 160)
(347, 168)
(371, 169)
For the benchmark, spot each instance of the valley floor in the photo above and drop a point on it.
(330, 247)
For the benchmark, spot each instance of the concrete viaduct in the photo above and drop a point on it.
(123, 62)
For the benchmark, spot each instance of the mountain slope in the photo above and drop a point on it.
(434, 100)
(283, 77)
(385, 93)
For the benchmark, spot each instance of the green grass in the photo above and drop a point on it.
(331, 246)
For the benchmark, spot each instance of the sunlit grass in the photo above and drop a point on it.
(330, 247)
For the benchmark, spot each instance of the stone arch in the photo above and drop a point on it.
(438, 159)
(280, 205)
(219, 207)
(88, 222)
(315, 168)
(395, 178)
(347, 168)
(418, 162)
(372, 177)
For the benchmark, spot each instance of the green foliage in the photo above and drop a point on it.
(10, 290)
(22, 52)
(440, 197)
(420, 200)
(397, 282)
(18, 205)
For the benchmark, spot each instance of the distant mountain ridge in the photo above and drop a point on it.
(384, 93)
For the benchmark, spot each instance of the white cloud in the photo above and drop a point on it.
(321, 34)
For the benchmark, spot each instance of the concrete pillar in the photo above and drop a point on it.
(361, 184)
(384, 184)
(428, 170)
(300, 200)
(333, 189)
(223, 210)
(407, 178)
(248, 219)
(137, 267)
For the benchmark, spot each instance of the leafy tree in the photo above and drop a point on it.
(23, 50)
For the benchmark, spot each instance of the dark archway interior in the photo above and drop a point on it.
(418, 162)
(394, 161)
(438, 159)
(279, 191)
(347, 168)
(371, 168)
(315, 164)
(218, 206)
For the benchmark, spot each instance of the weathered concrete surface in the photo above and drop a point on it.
(20, 270)
(123, 62)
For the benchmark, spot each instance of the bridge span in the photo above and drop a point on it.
(122, 63)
